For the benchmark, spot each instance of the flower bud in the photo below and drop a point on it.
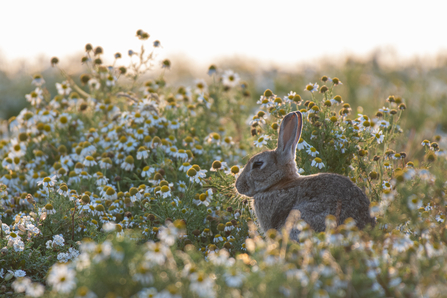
(166, 64)
(191, 172)
(323, 89)
(217, 164)
(54, 61)
(85, 78)
(98, 51)
(234, 169)
(268, 93)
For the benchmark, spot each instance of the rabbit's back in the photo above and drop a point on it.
(323, 194)
(315, 196)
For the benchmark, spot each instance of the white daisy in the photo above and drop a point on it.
(63, 88)
(142, 153)
(181, 154)
(317, 162)
(47, 181)
(182, 186)
(89, 161)
(379, 137)
(147, 171)
(201, 86)
(62, 278)
(265, 102)
(311, 87)
(230, 78)
(383, 123)
(312, 151)
(185, 167)
(94, 84)
(261, 141)
(35, 97)
(302, 144)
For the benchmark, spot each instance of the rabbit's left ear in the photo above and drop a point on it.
(289, 135)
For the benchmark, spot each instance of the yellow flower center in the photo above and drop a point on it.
(234, 169)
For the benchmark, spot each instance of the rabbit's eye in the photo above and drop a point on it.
(257, 164)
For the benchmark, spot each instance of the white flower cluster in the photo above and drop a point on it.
(58, 240)
(25, 285)
(64, 257)
(22, 226)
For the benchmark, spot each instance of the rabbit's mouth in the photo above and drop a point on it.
(243, 188)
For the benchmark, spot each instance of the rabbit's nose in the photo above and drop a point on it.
(241, 185)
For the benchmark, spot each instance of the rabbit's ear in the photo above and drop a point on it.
(289, 135)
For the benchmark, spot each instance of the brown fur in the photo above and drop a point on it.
(277, 188)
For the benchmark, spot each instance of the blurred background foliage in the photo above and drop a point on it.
(368, 81)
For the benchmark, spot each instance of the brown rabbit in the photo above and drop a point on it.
(272, 179)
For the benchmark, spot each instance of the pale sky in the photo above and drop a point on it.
(282, 32)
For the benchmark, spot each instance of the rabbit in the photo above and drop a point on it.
(272, 179)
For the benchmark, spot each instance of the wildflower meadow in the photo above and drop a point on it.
(121, 184)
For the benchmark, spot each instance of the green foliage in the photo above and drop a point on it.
(127, 188)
